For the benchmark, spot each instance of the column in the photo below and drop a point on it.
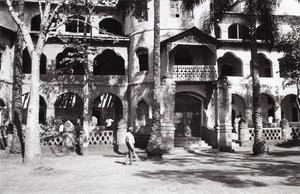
(277, 116)
(167, 111)
(223, 106)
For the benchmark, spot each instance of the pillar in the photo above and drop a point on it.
(223, 114)
(277, 116)
(121, 132)
(167, 111)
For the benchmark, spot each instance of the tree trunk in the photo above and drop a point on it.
(32, 138)
(17, 83)
(259, 146)
(156, 70)
(155, 147)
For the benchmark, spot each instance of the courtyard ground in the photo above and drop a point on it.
(208, 171)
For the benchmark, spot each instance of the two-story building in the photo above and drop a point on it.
(118, 79)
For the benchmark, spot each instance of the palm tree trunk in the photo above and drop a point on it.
(156, 70)
(154, 147)
(259, 146)
(17, 82)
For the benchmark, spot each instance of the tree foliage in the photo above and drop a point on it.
(289, 64)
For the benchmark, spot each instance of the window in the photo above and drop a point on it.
(0, 60)
(76, 24)
(238, 31)
(141, 11)
(70, 62)
(264, 66)
(111, 25)
(27, 63)
(142, 54)
(177, 10)
(142, 113)
(218, 31)
(109, 63)
(36, 23)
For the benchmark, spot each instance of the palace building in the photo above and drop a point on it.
(198, 106)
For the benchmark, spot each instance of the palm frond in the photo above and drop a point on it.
(190, 4)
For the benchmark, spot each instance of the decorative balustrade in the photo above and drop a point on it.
(194, 73)
(271, 134)
(95, 138)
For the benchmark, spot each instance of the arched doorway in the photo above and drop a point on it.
(107, 106)
(188, 115)
(268, 108)
(238, 107)
(42, 110)
(2, 112)
(69, 106)
(289, 108)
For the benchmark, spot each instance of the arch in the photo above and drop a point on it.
(105, 106)
(142, 54)
(218, 32)
(27, 63)
(2, 104)
(69, 106)
(36, 23)
(76, 24)
(42, 109)
(230, 65)
(264, 65)
(70, 62)
(7, 37)
(3, 115)
(238, 107)
(188, 114)
(142, 113)
(238, 31)
(288, 105)
(268, 107)
(183, 57)
(109, 63)
(111, 25)
(0, 59)
(260, 34)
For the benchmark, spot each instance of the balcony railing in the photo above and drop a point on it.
(194, 73)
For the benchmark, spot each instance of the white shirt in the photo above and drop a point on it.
(108, 122)
(61, 128)
(129, 138)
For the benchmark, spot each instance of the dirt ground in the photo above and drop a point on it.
(208, 171)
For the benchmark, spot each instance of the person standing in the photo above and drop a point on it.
(108, 123)
(129, 139)
(10, 132)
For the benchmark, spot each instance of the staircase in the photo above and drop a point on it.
(235, 140)
(190, 143)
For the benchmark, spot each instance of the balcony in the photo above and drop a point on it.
(194, 73)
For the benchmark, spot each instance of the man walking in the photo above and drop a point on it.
(129, 139)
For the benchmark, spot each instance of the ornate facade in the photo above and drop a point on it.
(195, 106)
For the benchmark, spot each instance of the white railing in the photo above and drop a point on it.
(194, 73)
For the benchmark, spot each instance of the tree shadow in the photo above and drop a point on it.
(232, 169)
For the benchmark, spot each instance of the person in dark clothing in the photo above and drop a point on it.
(9, 131)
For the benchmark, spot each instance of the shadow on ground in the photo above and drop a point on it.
(237, 170)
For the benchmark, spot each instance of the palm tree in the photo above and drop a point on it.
(255, 11)
(154, 147)
(17, 82)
